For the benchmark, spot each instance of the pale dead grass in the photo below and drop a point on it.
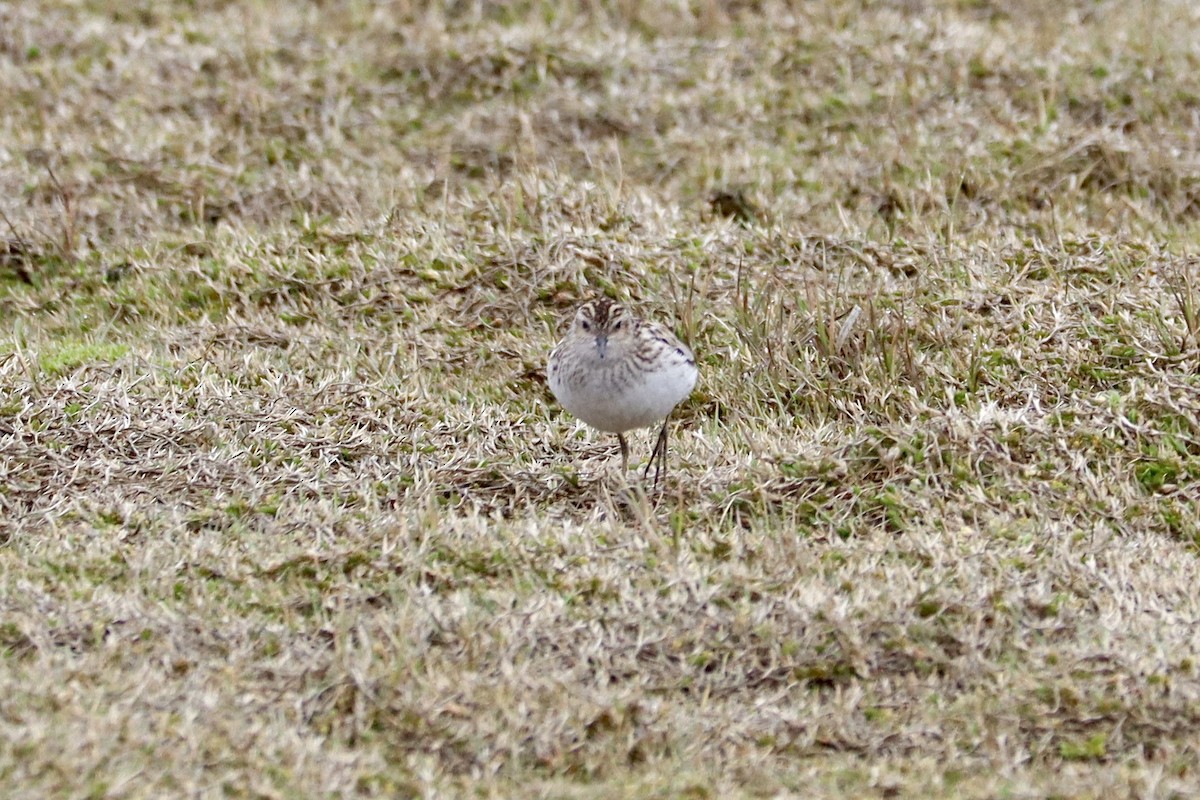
(287, 510)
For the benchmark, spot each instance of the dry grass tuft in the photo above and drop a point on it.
(286, 508)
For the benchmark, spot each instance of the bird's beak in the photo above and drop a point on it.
(602, 344)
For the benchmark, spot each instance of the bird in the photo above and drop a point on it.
(619, 373)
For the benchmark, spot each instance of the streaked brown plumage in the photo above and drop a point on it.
(619, 373)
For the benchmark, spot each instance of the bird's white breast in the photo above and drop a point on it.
(622, 396)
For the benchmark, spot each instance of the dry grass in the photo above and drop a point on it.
(286, 508)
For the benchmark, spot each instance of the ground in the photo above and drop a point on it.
(286, 508)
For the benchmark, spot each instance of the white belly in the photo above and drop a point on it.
(615, 400)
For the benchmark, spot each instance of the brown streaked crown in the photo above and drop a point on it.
(600, 316)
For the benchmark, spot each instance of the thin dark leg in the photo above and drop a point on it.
(660, 453)
(624, 452)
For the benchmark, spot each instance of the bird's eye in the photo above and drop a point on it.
(583, 323)
(616, 326)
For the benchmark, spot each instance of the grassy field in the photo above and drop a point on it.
(286, 508)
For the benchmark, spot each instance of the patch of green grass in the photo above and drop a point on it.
(67, 356)
(1091, 749)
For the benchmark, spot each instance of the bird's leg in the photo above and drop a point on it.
(659, 452)
(624, 452)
